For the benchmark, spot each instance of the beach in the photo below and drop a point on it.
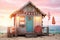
(3, 35)
(50, 37)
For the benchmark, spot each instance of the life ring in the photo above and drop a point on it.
(38, 29)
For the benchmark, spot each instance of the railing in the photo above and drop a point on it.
(45, 30)
(10, 32)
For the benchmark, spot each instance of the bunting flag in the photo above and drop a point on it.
(48, 15)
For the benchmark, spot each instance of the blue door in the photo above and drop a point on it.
(29, 23)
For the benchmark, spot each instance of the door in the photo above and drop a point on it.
(29, 23)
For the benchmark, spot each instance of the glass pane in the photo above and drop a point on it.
(22, 23)
(22, 20)
(37, 20)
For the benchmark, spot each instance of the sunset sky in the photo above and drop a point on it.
(9, 6)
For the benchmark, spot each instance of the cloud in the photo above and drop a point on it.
(13, 4)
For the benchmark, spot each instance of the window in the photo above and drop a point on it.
(22, 21)
(37, 20)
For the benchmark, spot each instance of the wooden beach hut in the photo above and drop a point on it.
(28, 20)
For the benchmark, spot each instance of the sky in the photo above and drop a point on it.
(46, 6)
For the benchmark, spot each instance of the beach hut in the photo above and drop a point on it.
(28, 20)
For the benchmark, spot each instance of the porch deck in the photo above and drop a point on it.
(15, 33)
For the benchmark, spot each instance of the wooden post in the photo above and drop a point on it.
(15, 31)
(15, 27)
(14, 21)
(8, 32)
(47, 30)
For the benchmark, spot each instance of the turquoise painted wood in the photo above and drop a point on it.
(29, 24)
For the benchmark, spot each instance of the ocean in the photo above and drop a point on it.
(53, 29)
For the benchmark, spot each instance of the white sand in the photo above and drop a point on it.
(50, 37)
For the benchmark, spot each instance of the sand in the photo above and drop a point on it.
(50, 37)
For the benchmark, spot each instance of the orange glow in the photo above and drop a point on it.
(37, 20)
(22, 19)
(17, 18)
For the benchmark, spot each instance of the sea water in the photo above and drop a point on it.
(54, 29)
